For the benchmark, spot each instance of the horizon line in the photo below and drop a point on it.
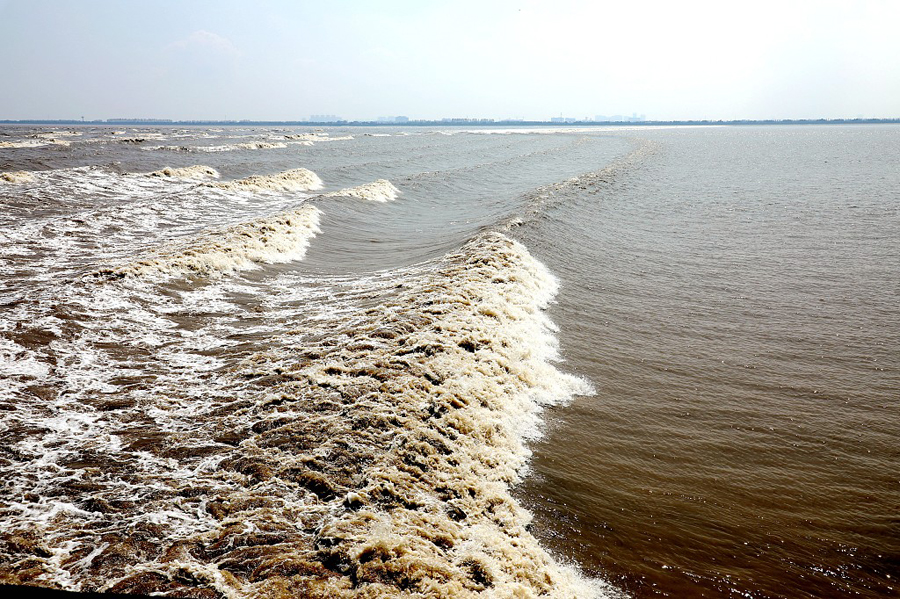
(444, 122)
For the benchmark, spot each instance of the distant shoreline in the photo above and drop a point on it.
(442, 123)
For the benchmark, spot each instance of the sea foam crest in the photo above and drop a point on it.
(275, 239)
(198, 171)
(255, 145)
(444, 382)
(402, 430)
(16, 177)
(380, 190)
(37, 142)
(298, 179)
(55, 134)
(308, 139)
(368, 453)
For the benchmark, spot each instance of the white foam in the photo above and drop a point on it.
(189, 172)
(316, 137)
(280, 238)
(256, 145)
(380, 190)
(16, 177)
(55, 134)
(299, 179)
(33, 143)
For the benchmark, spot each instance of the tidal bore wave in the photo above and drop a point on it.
(299, 179)
(381, 190)
(182, 417)
(280, 238)
(188, 172)
(16, 177)
(370, 455)
(256, 145)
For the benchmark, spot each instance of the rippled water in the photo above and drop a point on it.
(735, 301)
(251, 380)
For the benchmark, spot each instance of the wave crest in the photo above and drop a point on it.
(316, 137)
(399, 434)
(256, 145)
(36, 142)
(16, 177)
(381, 190)
(298, 179)
(198, 171)
(276, 239)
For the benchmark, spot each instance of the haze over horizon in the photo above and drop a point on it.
(276, 60)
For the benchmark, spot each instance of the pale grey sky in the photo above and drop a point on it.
(533, 59)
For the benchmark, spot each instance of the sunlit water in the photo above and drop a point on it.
(677, 348)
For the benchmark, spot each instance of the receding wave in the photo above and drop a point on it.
(16, 177)
(380, 190)
(298, 179)
(197, 171)
(280, 238)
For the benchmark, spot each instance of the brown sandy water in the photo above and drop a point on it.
(735, 302)
(278, 390)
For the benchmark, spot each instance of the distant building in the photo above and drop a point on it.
(392, 119)
(324, 118)
(138, 120)
(463, 121)
(563, 119)
(618, 118)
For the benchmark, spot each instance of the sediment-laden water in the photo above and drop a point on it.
(561, 363)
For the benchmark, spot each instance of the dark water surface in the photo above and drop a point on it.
(277, 388)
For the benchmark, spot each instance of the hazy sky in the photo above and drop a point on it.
(286, 60)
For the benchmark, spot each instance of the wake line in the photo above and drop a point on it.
(546, 196)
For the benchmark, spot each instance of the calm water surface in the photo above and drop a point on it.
(734, 299)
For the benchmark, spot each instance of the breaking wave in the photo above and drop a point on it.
(380, 190)
(316, 137)
(256, 145)
(189, 172)
(368, 454)
(55, 134)
(17, 177)
(299, 179)
(34, 143)
(280, 238)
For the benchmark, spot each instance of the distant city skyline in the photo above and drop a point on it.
(528, 60)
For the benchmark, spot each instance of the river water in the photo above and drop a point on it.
(408, 362)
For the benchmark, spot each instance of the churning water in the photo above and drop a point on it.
(567, 363)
